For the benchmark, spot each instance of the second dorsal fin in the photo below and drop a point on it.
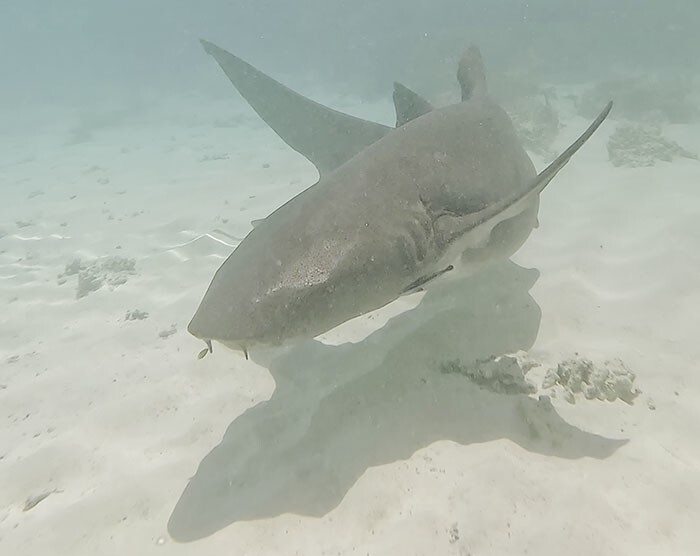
(409, 105)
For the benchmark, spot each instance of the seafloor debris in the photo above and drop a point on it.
(572, 379)
(136, 314)
(168, 332)
(212, 157)
(502, 374)
(636, 145)
(33, 501)
(110, 271)
(607, 381)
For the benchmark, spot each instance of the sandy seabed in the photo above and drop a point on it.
(110, 231)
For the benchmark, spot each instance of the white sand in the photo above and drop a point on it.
(363, 448)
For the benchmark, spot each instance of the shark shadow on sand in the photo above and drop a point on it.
(338, 410)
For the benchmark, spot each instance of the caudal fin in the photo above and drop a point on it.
(326, 137)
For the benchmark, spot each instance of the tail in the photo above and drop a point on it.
(471, 74)
(327, 138)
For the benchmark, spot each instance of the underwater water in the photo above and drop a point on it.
(542, 399)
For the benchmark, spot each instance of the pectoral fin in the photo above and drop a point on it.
(423, 280)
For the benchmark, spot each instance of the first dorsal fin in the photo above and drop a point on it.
(471, 74)
(409, 105)
(326, 137)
